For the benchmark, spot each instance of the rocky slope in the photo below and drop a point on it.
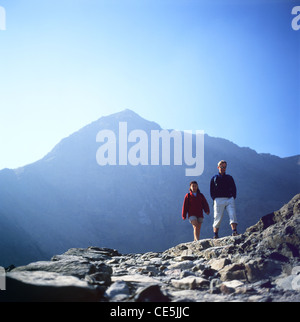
(260, 265)
(67, 199)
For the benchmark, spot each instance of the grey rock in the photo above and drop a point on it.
(119, 290)
(37, 286)
(296, 283)
(191, 283)
(233, 272)
(285, 282)
(151, 293)
(73, 266)
(260, 265)
(182, 265)
(218, 264)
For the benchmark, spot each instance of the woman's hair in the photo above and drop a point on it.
(193, 182)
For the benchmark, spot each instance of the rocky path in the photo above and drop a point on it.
(261, 265)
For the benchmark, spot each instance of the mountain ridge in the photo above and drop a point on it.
(66, 199)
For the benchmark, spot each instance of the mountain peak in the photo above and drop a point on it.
(128, 111)
(124, 114)
(128, 115)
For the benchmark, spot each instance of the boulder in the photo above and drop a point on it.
(42, 286)
(191, 283)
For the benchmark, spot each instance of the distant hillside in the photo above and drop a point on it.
(68, 200)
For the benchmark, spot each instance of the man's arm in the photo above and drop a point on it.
(212, 188)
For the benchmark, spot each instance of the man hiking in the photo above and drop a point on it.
(223, 193)
(194, 203)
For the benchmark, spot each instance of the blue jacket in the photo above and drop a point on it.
(222, 186)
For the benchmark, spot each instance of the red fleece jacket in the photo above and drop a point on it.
(194, 206)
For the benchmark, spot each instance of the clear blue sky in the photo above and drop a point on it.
(230, 68)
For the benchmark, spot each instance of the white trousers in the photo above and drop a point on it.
(220, 204)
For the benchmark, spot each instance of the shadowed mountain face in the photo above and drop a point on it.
(68, 200)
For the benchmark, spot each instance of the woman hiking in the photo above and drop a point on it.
(194, 203)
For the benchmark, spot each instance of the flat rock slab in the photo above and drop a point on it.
(38, 286)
